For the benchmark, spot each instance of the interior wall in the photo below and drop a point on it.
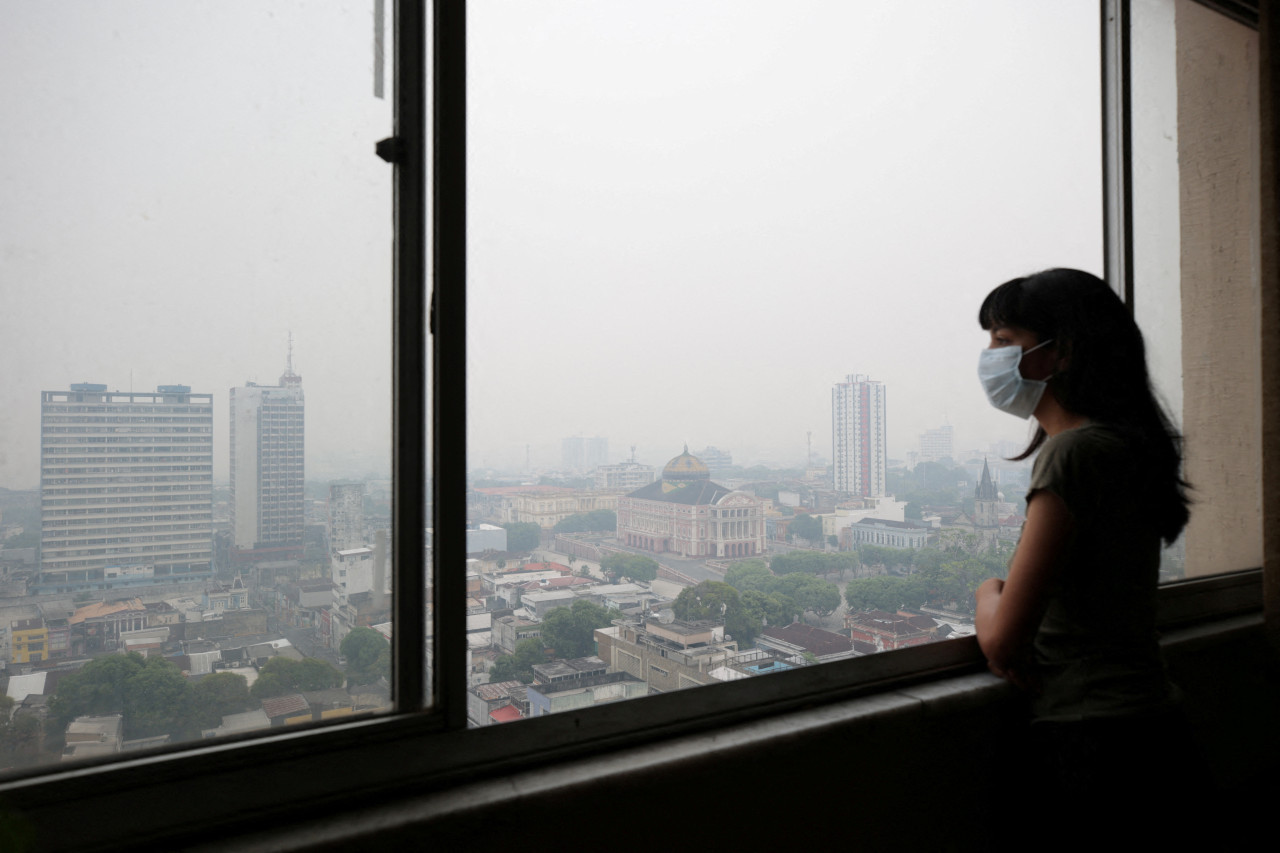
(1218, 155)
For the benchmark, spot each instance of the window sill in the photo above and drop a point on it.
(356, 769)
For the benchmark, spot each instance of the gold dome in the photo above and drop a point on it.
(686, 466)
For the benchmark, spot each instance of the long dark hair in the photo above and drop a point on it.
(1106, 377)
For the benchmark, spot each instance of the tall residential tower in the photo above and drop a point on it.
(126, 487)
(858, 436)
(267, 465)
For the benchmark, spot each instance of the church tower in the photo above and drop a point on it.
(986, 506)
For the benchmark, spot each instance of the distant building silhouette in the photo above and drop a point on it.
(581, 455)
(267, 466)
(858, 431)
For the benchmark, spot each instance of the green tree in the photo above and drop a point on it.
(769, 608)
(522, 536)
(97, 689)
(157, 701)
(519, 666)
(637, 567)
(749, 574)
(570, 631)
(811, 594)
(718, 602)
(368, 655)
(20, 736)
(217, 695)
(806, 527)
(833, 540)
(281, 676)
(885, 592)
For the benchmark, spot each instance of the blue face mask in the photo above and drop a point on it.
(1006, 388)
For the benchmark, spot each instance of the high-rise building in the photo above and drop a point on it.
(937, 444)
(715, 458)
(583, 454)
(267, 467)
(346, 516)
(126, 487)
(858, 436)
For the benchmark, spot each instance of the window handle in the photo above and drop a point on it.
(389, 149)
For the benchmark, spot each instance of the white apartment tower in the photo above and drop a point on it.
(126, 487)
(858, 436)
(584, 454)
(346, 516)
(267, 466)
(937, 444)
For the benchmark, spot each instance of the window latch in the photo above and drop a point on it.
(389, 149)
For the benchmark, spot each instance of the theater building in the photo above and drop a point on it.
(687, 514)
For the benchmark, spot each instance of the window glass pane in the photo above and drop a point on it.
(195, 453)
(1196, 220)
(725, 263)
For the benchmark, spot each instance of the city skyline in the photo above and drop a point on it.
(690, 244)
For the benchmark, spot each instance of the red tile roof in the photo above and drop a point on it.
(505, 714)
(283, 706)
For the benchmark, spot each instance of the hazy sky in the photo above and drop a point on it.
(688, 219)
(182, 184)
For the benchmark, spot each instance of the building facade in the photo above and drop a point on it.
(625, 476)
(986, 507)
(858, 442)
(267, 469)
(578, 453)
(937, 444)
(126, 487)
(346, 516)
(686, 513)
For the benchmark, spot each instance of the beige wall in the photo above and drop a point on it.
(1217, 76)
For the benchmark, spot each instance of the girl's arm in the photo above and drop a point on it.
(1009, 611)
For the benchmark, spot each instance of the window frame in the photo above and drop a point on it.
(426, 747)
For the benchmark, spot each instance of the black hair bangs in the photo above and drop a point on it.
(1003, 306)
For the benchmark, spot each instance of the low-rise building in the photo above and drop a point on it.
(878, 631)
(97, 627)
(91, 736)
(796, 639)
(28, 641)
(583, 692)
(485, 699)
(509, 630)
(670, 655)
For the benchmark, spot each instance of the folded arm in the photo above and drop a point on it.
(1009, 611)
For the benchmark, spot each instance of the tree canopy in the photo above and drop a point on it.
(806, 527)
(635, 566)
(281, 676)
(522, 535)
(718, 602)
(570, 631)
(152, 695)
(749, 574)
(519, 666)
(368, 655)
(598, 520)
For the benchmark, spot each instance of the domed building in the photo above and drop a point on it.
(687, 514)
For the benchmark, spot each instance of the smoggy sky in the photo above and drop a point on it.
(687, 219)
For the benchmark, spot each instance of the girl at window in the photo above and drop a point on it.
(1074, 623)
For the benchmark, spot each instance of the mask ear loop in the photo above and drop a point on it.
(1033, 349)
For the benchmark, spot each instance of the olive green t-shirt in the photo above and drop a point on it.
(1096, 650)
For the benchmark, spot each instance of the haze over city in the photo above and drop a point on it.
(694, 242)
